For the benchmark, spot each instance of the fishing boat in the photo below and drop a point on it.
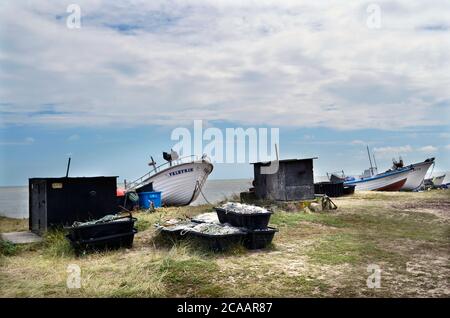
(180, 180)
(386, 181)
(437, 181)
(391, 180)
(416, 177)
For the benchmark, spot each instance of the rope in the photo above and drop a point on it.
(201, 192)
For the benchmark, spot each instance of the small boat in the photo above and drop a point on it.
(416, 177)
(437, 181)
(180, 180)
(390, 180)
(386, 181)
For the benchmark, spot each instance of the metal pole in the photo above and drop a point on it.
(68, 167)
(370, 160)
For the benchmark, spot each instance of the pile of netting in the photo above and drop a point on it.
(106, 219)
(243, 208)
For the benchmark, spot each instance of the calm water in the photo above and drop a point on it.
(14, 200)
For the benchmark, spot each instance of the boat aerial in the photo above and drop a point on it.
(180, 180)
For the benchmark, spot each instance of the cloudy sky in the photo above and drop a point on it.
(332, 77)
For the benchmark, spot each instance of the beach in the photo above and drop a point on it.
(405, 235)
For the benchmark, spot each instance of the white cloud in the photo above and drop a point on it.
(428, 149)
(290, 63)
(447, 147)
(74, 137)
(403, 150)
(25, 141)
(399, 150)
(358, 142)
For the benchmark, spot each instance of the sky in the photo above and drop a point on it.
(332, 78)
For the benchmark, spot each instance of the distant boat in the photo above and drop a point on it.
(386, 181)
(180, 180)
(437, 181)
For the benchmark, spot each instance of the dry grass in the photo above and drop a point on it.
(321, 255)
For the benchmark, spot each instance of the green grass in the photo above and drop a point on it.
(7, 248)
(142, 224)
(13, 225)
(292, 219)
(191, 277)
(56, 244)
(349, 248)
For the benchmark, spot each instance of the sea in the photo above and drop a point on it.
(14, 200)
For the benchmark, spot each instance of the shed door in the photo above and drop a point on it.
(39, 207)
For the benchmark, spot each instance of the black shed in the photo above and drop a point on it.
(61, 201)
(294, 180)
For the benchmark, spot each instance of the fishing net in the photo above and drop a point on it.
(210, 217)
(215, 229)
(243, 208)
(105, 219)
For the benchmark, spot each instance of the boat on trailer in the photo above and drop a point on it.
(180, 180)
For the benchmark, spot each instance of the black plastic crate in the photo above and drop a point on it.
(102, 243)
(216, 242)
(251, 221)
(258, 239)
(331, 189)
(92, 231)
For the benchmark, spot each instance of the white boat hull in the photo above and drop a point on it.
(437, 181)
(416, 177)
(181, 184)
(391, 181)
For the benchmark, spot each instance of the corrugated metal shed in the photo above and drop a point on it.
(294, 180)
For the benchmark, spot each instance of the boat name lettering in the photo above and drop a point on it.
(174, 173)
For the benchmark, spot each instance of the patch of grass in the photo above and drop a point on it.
(192, 277)
(142, 224)
(56, 244)
(348, 248)
(398, 225)
(294, 218)
(13, 225)
(7, 248)
(306, 285)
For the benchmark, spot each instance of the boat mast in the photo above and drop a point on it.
(370, 160)
(375, 162)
